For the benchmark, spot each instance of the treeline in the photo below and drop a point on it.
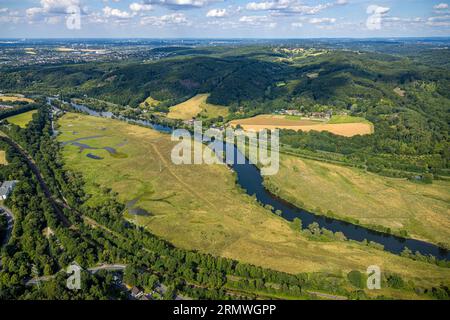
(6, 113)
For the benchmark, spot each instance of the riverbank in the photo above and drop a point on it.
(395, 206)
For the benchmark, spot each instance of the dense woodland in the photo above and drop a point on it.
(101, 235)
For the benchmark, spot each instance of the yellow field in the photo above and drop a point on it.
(150, 102)
(3, 158)
(199, 206)
(271, 122)
(22, 119)
(63, 49)
(421, 209)
(15, 99)
(196, 106)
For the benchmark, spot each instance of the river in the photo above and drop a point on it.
(251, 180)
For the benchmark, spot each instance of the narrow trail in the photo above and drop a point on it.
(167, 166)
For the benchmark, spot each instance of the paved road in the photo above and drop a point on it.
(107, 267)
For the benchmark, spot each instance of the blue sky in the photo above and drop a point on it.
(224, 18)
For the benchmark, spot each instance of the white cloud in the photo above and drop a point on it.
(168, 19)
(439, 21)
(252, 19)
(58, 6)
(322, 20)
(109, 12)
(297, 24)
(375, 9)
(10, 16)
(441, 6)
(341, 2)
(217, 13)
(50, 8)
(287, 7)
(137, 7)
(376, 14)
(53, 20)
(179, 4)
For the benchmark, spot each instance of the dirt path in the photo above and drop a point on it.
(184, 184)
(327, 296)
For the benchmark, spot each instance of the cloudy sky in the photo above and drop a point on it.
(223, 18)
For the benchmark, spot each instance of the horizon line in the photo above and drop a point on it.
(220, 38)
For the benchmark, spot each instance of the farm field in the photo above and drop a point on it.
(270, 122)
(420, 209)
(200, 207)
(150, 102)
(3, 157)
(22, 119)
(15, 99)
(347, 119)
(197, 106)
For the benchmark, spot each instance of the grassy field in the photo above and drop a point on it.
(421, 209)
(3, 158)
(345, 125)
(211, 111)
(150, 102)
(346, 119)
(22, 119)
(197, 106)
(199, 206)
(15, 99)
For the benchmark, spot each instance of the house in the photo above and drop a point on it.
(136, 292)
(6, 189)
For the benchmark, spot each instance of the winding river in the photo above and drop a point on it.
(250, 179)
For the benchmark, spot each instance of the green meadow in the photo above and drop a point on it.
(200, 207)
(22, 119)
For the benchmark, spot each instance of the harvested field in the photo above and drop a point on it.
(280, 122)
(3, 158)
(188, 109)
(197, 107)
(15, 99)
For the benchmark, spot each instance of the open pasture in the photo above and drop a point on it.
(197, 107)
(13, 98)
(199, 207)
(22, 119)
